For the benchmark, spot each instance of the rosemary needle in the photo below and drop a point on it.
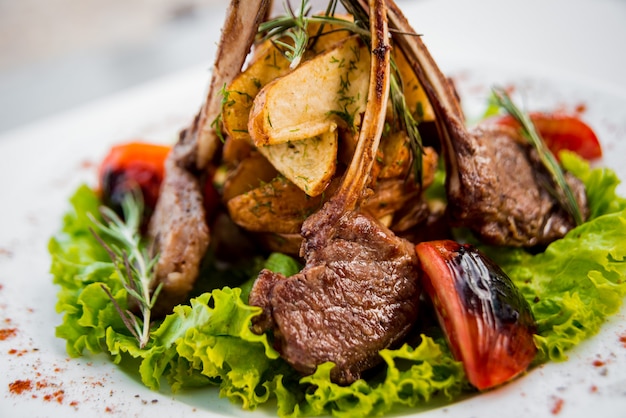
(133, 263)
(293, 27)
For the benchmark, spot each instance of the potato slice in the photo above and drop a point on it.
(396, 155)
(325, 36)
(310, 163)
(269, 63)
(249, 174)
(282, 243)
(278, 206)
(266, 65)
(328, 90)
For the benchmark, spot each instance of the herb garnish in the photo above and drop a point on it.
(404, 118)
(295, 27)
(132, 261)
(563, 193)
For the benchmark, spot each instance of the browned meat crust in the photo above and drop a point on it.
(178, 227)
(179, 230)
(501, 192)
(495, 186)
(357, 295)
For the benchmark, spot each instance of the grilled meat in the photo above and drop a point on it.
(494, 184)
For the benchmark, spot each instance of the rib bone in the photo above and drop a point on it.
(178, 227)
(242, 21)
(356, 177)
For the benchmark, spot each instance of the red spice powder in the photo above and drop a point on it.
(87, 164)
(42, 384)
(20, 386)
(581, 108)
(6, 333)
(558, 405)
(55, 396)
(622, 339)
(593, 389)
(598, 363)
(18, 353)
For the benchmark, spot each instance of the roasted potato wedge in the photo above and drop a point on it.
(278, 206)
(310, 163)
(282, 243)
(396, 160)
(269, 64)
(236, 150)
(251, 173)
(328, 90)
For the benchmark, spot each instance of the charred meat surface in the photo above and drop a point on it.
(179, 230)
(243, 18)
(500, 192)
(358, 291)
(357, 294)
(488, 323)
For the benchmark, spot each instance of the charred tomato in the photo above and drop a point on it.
(488, 323)
(141, 165)
(130, 166)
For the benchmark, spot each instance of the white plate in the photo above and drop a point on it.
(41, 165)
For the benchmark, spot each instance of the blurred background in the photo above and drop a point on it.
(58, 54)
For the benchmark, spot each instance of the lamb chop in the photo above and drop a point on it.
(358, 291)
(178, 228)
(495, 184)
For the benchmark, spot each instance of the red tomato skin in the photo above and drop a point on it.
(142, 164)
(491, 335)
(561, 131)
(130, 165)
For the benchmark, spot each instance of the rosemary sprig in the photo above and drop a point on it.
(562, 193)
(402, 114)
(217, 122)
(293, 26)
(132, 261)
(407, 122)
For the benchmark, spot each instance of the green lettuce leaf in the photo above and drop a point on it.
(413, 376)
(80, 266)
(600, 183)
(572, 287)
